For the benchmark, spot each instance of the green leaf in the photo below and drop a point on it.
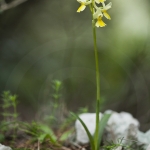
(2, 137)
(65, 135)
(49, 133)
(13, 98)
(87, 131)
(102, 125)
(42, 137)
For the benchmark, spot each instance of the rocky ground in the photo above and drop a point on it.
(120, 127)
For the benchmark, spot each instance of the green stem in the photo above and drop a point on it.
(97, 85)
(15, 118)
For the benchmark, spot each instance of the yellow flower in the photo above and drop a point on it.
(83, 4)
(98, 15)
(105, 8)
(81, 8)
(100, 22)
(106, 14)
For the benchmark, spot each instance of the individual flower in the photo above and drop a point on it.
(98, 15)
(83, 4)
(100, 22)
(100, 12)
(105, 8)
(99, 1)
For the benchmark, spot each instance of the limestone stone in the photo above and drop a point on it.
(121, 125)
(3, 147)
(148, 148)
(144, 138)
(118, 148)
(89, 120)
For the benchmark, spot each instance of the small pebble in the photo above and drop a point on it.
(118, 148)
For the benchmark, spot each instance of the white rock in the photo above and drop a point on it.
(121, 125)
(148, 148)
(144, 138)
(118, 148)
(90, 120)
(3, 147)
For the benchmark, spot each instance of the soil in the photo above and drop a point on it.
(26, 143)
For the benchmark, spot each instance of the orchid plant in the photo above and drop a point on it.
(98, 9)
(97, 12)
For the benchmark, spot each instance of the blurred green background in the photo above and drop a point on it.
(43, 40)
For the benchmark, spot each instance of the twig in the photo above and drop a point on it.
(4, 6)
(38, 145)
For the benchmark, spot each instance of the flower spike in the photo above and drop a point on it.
(97, 11)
